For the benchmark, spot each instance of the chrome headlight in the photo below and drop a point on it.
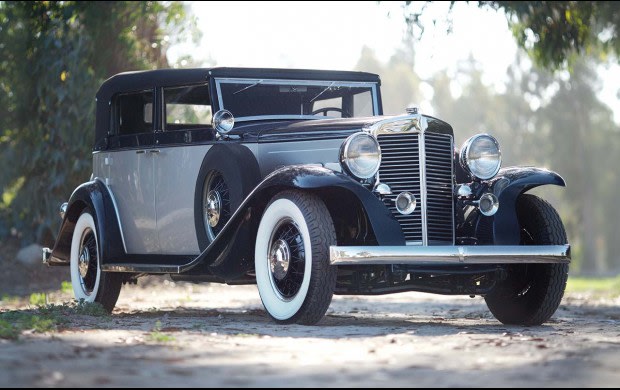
(481, 156)
(360, 155)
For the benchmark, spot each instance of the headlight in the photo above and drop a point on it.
(480, 156)
(360, 155)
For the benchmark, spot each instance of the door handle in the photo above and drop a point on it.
(140, 151)
(154, 151)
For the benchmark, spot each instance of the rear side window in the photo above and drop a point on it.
(187, 107)
(133, 113)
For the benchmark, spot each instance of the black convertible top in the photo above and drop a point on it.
(148, 79)
(141, 80)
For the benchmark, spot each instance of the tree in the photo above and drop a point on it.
(554, 33)
(55, 56)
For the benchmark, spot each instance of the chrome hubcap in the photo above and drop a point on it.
(83, 261)
(279, 259)
(214, 207)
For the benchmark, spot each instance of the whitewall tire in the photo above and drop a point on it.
(293, 275)
(89, 283)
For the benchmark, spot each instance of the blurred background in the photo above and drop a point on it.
(543, 77)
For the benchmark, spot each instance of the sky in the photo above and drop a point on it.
(330, 35)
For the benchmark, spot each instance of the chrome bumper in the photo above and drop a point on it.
(446, 255)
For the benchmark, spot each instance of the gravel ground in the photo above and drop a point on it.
(176, 334)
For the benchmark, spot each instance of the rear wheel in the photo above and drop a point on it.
(90, 284)
(294, 278)
(532, 292)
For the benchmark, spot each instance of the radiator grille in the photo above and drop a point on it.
(401, 170)
(439, 198)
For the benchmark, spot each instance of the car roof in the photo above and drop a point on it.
(148, 79)
(142, 80)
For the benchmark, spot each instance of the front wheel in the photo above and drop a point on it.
(90, 284)
(532, 292)
(294, 278)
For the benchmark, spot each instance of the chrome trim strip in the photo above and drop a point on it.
(446, 255)
(118, 215)
(452, 189)
(423, 189)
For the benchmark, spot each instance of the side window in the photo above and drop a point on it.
(133, 113)
(187, 107)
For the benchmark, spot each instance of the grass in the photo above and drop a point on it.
(158, 336)
(13, 323)
(605, 286)
(66, 287)
(45, 318)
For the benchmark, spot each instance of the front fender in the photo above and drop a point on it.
(95, 196)
(231, 254)
(508, 185)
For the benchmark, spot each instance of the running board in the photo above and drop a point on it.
(144, 268)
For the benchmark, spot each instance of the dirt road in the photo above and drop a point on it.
(209, 335)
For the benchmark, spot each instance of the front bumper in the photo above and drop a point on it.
(449, 255)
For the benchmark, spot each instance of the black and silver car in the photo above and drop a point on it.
(295, 181)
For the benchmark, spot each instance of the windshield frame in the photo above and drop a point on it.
(324, 83)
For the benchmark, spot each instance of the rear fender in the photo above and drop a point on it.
(95, 196)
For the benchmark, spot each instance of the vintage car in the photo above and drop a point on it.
(295, 181)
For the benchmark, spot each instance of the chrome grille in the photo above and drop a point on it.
(400, 169)
(439, 201)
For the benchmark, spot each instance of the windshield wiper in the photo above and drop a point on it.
(323, 91)
(249, 86)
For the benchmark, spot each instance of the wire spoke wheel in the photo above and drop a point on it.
(215, 204)
(287, 258)
(90, 283)
(293, 275)
(88, 260)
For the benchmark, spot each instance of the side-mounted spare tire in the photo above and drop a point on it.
(531, 293)
(229, 172)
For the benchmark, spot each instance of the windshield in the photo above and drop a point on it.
(251, 99)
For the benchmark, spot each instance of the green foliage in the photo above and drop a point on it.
(156, 335)
(45, 318)
(80, 307)
(558, 32)
(554, 33)
(8, 331)
(602, 286)
(66, 287)
(38, 299)
(12, 323)
(55, 54)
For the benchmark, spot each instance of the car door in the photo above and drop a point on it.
(130, 164)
